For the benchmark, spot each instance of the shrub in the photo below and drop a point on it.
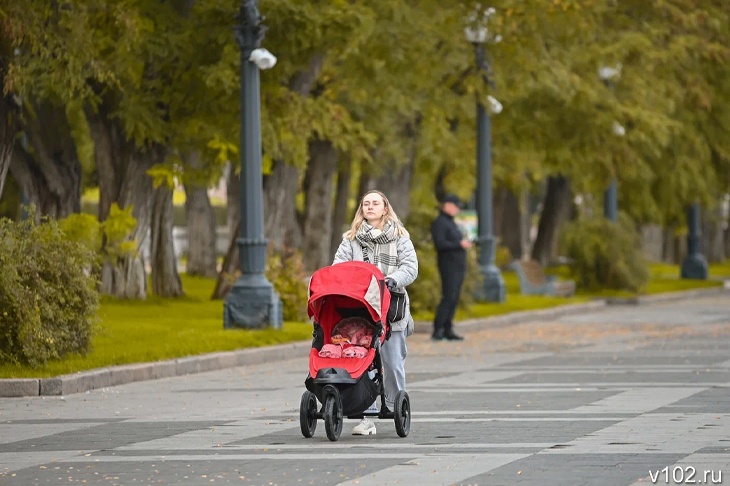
(503, 257)
(285, 271)
(48, 300)
(605, 255)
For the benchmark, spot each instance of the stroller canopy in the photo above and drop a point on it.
(360, 281)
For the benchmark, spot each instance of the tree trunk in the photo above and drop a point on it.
(366, 183)
(233, 195)
(668, 243)
(396, 180)
(439, 185)
(304, 81)
(680, 248)
(339, 214)
(280, 218)
(396, 185)
(318, 183)
(165, 279)
(229, 269)
(554, 212)
(48, 169)
(122, 180)
(511, 223)
(136, 191)
(111, 153)
(201, 227)
(9, 110)
(526, 213)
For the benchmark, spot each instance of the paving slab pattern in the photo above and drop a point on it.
(621, 395)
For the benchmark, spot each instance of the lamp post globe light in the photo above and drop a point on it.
(610, 198)
(477, 32)
(252, 301)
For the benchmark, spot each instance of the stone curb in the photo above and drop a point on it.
(119, 375)
(682, 295)
(517, 317)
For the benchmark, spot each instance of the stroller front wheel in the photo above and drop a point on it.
(308, 414)
(333, 417)
(402, 413)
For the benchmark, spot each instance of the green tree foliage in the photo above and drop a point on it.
(389, 64)
(388, 82)
(48, 49)
(672, 57)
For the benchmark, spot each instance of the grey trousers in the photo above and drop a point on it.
(393, 353)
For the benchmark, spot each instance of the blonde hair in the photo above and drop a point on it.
(388, 217)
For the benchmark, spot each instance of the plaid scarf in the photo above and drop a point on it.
(379, 247)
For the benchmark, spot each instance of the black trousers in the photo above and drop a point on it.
(452, 278)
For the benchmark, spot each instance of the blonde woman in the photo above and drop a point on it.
(377, 236)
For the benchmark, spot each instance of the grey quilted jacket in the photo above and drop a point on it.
(405, 274)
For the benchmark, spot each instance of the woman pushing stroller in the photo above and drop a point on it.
(378, 237)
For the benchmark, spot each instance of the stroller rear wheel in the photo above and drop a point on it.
(333, 418)
(308, 414)
(402, 413)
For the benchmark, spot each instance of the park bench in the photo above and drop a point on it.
(533, 280)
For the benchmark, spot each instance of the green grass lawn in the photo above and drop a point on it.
(665, 278)
(159, 329)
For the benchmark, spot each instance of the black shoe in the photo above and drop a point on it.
(438, 336)
(450, 336)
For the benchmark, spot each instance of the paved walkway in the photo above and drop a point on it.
(607, 396)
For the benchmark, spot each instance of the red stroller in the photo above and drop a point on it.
(347, 293)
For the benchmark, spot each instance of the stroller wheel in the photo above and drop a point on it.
(308, 414)
(402, 413)
(333, 417)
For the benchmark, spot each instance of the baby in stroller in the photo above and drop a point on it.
(348, 305)
(351, 338)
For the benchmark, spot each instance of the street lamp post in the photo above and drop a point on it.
(493, 289)
(610, 196)
(610, 201)
(252, 301)
(694, 265)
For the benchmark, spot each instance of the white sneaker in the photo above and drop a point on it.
(365, 427)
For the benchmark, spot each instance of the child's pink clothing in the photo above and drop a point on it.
(354, 352)
(331, 351)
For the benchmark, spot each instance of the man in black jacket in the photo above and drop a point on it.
(451, 250)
